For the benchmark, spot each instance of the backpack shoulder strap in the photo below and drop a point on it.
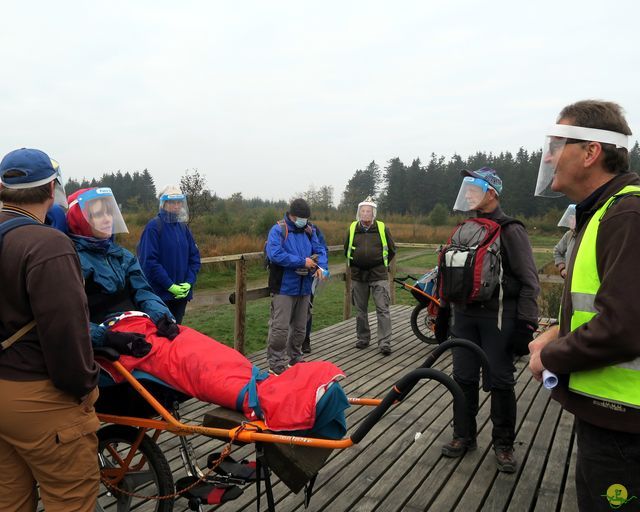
(5, 227)
(284, 229)
(16, 222)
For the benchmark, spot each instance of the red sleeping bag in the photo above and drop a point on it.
(201, 367)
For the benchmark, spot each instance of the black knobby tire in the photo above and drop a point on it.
(152, 478)
(421, 324)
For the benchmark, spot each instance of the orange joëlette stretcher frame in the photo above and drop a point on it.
(255, 431)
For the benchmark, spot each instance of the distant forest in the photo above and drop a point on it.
(414, 190)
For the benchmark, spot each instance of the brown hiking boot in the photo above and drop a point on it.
(458, 446)
(505, 459)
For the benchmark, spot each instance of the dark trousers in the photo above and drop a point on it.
(484, 332)
(177, 308)
(607, 469)
(307, 336)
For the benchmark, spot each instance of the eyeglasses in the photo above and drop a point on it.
(558, 143)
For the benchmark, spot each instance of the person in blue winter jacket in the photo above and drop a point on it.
(168, 253)
(295, 257)
(113, 280)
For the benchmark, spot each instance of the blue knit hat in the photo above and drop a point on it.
(488, 175)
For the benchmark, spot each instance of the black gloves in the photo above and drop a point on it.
(167, 327)
(128, 343)
(441, 328)
(521, 337)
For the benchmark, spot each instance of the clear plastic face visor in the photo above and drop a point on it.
(175, 205)
(558, 136)
(472, 193)
(100, 210)
(59, 195)
(568, 219)
(366, 213)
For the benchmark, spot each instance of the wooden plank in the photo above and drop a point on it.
(534, 461)
(569, 497)
(555, 473)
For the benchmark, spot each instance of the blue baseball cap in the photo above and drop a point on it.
(488, 175)
(35, 168)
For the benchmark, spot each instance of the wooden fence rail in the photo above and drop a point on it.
(241, 294)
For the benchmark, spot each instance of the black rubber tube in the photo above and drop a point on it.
(402, 387)
(459, 342)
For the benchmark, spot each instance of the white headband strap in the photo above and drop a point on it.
(32, 184)
(568, 131)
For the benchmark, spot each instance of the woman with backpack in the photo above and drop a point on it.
(168, 253)
(489, 286)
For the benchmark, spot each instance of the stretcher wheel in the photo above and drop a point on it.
(149, 473)
(422, 323)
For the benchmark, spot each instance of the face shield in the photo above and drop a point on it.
(366, 213)
(558, 136)
(59, 195)
(568, 219)
(175, 207)
(472, 193)
(100, 210)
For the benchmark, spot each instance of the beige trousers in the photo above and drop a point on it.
(48, 438)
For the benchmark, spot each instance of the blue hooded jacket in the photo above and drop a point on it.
(168, 255)
(113, 269)
(285, 256)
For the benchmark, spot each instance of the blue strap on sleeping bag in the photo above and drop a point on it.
(251, 388)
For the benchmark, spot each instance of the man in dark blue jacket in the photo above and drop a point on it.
(294, 254)
(168, 254)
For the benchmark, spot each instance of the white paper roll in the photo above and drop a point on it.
(549, 379)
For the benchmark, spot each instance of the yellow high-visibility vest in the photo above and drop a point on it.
(618, 383)
(383, 239)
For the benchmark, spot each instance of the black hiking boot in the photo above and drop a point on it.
(458, 446)
(306, 346)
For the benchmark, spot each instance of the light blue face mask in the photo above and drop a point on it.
(300, 222)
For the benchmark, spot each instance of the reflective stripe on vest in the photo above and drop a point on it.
(383, 239)
(618, 383)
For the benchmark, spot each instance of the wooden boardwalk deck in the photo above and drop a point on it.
(393, 469)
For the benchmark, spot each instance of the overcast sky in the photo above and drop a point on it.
(268, 98)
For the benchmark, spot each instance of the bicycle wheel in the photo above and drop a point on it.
(422, 324)
(148, 473)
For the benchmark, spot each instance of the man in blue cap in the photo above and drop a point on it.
(502, 322)
(48, 376)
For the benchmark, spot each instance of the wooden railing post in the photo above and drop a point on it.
(241, 304)
(392, 275)
(346, 312)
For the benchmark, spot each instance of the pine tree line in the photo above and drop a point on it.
(417, 189)
(133, 191)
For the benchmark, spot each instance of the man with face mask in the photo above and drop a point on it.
(595, 351)
(500, 323)
(295, 256)
(369, 248)
(48, 376)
